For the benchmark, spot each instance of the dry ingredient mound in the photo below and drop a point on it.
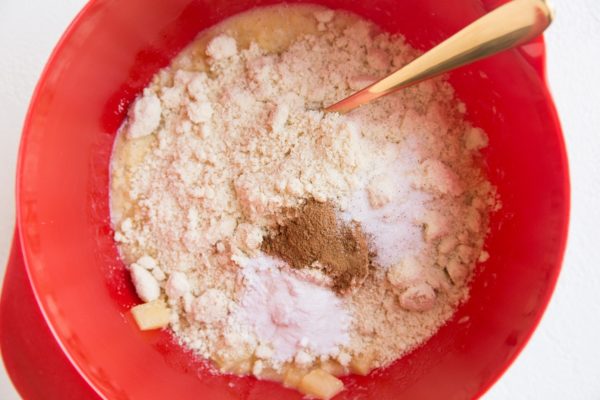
(390, 200)
(316, 237)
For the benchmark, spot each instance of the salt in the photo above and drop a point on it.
(391, 226)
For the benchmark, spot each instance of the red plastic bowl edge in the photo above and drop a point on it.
(54, 56)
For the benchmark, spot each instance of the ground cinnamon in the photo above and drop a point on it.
(314, 236)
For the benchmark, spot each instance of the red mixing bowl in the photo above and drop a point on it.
(103, 61)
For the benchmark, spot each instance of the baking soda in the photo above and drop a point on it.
(291, 314)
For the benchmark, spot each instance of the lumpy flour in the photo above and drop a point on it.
(232, 134)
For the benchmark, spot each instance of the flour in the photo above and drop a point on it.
(145, 283)
(145, 116)
(232, 134)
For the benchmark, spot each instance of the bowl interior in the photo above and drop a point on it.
(107, 57)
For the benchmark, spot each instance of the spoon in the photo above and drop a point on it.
(506, 27)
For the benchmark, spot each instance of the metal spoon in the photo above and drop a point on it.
(506, 27)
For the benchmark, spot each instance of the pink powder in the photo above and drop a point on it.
(290, 314)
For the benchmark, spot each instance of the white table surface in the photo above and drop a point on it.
(562, 361)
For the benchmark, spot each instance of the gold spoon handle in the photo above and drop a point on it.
(506, 27)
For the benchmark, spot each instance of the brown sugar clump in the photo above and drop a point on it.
(315, 234)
